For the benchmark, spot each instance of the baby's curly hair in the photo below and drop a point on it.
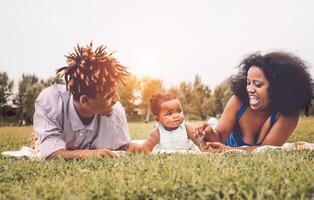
(291, 85)
(157, 99)
(91, 72)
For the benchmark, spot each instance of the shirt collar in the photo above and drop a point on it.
(75, 120)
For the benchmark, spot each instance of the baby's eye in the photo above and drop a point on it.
(168, 114)
(248, 82)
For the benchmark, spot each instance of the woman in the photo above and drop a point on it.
(268, 94)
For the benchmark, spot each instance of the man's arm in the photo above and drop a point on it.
(47, 122)
(48, 129)
(81, 154)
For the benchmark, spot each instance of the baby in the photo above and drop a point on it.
(171, 132)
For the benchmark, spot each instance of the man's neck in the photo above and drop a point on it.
(84, 116)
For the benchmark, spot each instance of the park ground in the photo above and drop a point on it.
(268, 175)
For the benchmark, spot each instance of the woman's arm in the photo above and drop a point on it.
(228, 118)
(281, 130)
(277, 136)
(225, 123)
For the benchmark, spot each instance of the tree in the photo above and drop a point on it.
(27, 80)
(31, 94)
(52, 80)
(149, 87)
(6, 86)
(311, 109)
(196, 98)
(201, 102)
(127, 93)
(222, 94)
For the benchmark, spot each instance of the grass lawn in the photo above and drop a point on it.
(269, 175)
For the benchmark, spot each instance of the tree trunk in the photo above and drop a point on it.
(147, 115)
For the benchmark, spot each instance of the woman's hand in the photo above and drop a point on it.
(205, 133)
(217, 147)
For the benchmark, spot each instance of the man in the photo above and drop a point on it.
(84, 118)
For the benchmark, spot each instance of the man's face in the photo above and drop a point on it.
(103, 104)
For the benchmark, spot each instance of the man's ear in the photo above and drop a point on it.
(84, 101)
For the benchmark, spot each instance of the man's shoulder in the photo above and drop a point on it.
(118, 107)
(51, 102)
(53, 96)
(53, 92)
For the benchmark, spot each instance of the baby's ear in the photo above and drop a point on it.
(157, 119)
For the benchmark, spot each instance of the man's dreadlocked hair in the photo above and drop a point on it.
(91, 72)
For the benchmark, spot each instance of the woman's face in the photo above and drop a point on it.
(257, 89)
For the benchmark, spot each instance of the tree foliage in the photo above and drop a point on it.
(21, 98)
(127, 93)
(200, 99)
(6, 86)
(31, 94)
(52, 80)
(195, 98)
(149, 87)
(222, 94)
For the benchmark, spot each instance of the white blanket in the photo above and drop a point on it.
(30, 153)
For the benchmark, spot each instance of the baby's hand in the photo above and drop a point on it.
(137, 148)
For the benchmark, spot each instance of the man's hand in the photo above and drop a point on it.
(100, 153)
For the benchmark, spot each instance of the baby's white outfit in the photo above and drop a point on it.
(174, 140)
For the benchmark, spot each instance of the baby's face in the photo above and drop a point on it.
(171, 114)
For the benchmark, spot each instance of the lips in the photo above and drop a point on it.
(254, 100)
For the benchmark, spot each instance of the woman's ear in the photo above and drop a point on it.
(84, 101)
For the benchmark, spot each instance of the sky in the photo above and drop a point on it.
(171, 40)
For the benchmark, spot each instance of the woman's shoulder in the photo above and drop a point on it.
(234, 104)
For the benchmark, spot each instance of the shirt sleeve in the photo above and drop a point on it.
(123, 130)
(47, 123)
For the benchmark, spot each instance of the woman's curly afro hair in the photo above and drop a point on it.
(291, 85)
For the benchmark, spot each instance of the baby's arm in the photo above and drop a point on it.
(191, 135)
(194, 137)
(152, 140)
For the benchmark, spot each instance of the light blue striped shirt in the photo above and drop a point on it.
(58, 126)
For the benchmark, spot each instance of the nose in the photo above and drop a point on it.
(175, 115)
(250, 88)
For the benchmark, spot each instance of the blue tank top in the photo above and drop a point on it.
(235, 138)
